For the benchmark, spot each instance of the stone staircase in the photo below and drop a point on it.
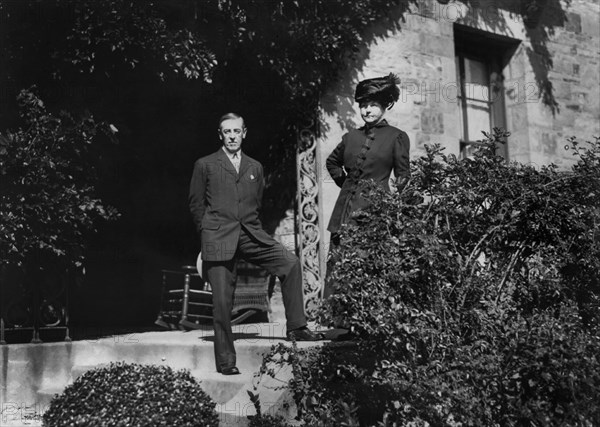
(32, 374)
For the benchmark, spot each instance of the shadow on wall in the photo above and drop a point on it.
(541, 18)
(340, 97)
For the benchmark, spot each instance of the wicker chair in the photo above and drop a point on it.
(186, 301)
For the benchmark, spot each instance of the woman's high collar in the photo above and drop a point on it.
(381, 123)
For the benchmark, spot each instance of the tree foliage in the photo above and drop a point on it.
(132, 33)
(48, 204)
(474, 296)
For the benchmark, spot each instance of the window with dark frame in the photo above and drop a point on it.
(480, 59)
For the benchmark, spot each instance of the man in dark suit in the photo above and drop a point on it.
(225, 198)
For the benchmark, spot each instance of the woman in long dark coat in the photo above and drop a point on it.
(370, 152)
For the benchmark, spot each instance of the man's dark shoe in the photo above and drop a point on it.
(304, 334)
(229, 371)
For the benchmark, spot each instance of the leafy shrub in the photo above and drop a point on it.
(474, 295)
(132, 395)
(48, 203)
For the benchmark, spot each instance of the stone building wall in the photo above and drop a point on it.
(422, 54)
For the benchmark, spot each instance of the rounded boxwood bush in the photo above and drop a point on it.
(132, 395)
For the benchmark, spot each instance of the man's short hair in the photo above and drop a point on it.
(231, 116)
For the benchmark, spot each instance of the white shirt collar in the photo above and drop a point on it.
(230, 155)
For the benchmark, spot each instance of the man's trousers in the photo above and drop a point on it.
(222, 276)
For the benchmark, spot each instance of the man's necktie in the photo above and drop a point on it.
(236, 162)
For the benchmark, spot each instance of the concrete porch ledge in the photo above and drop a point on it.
(32, 373)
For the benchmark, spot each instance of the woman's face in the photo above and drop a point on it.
(372, 112)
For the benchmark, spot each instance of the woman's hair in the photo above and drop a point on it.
(383, 90)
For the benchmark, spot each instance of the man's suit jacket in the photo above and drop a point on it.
(222, 201)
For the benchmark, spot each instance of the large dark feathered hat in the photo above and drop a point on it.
(380, 89)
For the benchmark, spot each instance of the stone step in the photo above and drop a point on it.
(222, 388)
(20, 386)
(36, 372)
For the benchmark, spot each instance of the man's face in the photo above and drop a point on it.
(232, 132)
(372, 112)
